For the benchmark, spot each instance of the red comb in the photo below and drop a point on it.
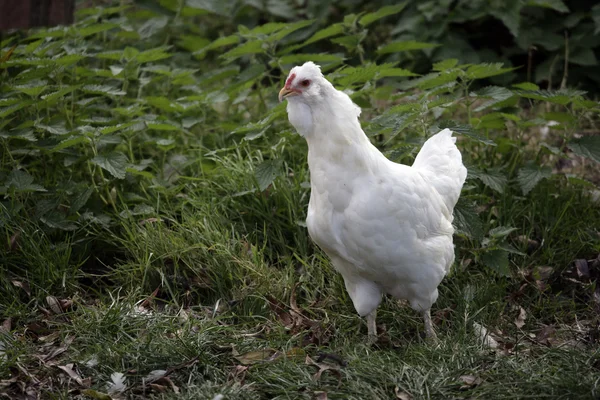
(289, 80)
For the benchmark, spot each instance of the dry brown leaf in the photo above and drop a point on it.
(402, 395)
(74, 375)
(322, 368)
(148, 301)
(22, 285)
(279, 309)
(469, 381)
(520, 320)
(6, 325)
(320, 396)
(158, 388)
(14, 241)
(542, 273)
(168, 380)
(54, 304)
(582, 268)
(545, 336)
(238, 373)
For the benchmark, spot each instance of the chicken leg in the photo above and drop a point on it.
(372, 327)
(429, 331)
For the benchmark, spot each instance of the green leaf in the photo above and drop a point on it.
(432, 80)
(596, 18)
(530, 175)
(383, 12)
(115, 163)
(33, 88)
(222, 8)
(151, 55)
(445, 65)
(501, 232)
(50, 98)
(266, 173)
(57, 220)
(492, 178)
(496, 93)
(526, 86)
(583, 56)
(509, 12)
(397, 47)
(56, 128)
(465, 130)
(289, 29)
(251, 47)
(480, 71)
(72, 141)
(350, 42)
(297, 59)
(556, 5)
(394, 72)
(95, 28)
(103, 89)
(497, 260)
(466, 219)
(158, 126)
(331, 30)
(545, 95)
(218, 43)
(21, 181)
(152, 26)
(6, 111)
(587, 146)
(80, 199)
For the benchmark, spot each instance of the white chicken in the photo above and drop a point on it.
(387, 227)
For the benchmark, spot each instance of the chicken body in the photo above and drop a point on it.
(387, 227)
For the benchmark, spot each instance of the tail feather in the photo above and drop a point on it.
(440, 162)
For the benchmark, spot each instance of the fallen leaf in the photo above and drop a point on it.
(279, 309)
(333, 357)
(22, 285)
(542, 273)
(148, 301)
(54, 304)
(469, 381)
(520, 321)
(6, 325)
(168, 380)
(322, 368)
(320, 396)
(583, 270)
(258, 356)
(73, 374)
(94, 394)
(158, 388)
(238, 373)
(544, 336)
(402, 395)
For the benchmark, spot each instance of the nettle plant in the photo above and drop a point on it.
(101, 120)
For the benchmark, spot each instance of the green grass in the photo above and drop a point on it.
(176, 241)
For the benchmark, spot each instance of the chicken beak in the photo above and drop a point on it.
(286, 92)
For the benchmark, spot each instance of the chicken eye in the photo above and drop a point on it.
(305, 83)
